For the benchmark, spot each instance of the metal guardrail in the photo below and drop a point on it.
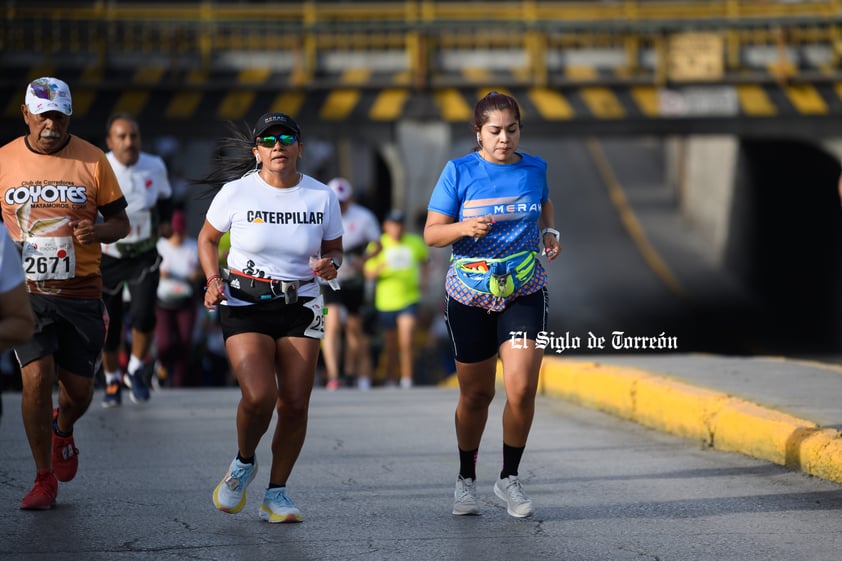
(421, 33)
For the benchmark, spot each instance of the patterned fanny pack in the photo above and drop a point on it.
(498, 277)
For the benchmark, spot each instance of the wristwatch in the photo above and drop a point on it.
(335, 263)
(552, 231)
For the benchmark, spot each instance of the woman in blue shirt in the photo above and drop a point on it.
(493, 207)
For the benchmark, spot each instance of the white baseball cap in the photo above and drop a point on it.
(48, 94)
(342, 188)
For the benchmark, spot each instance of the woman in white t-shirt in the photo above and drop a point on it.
(286, 229)
(175, 316)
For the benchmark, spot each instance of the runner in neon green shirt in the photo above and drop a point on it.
(399, 270)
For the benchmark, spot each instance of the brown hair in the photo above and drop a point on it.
(494, 101)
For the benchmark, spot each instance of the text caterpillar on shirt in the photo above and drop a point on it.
(267, 217)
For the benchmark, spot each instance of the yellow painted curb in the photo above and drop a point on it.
(717, 419)
(602, 387)
(750, 429)
(676, 407)
(818, 453)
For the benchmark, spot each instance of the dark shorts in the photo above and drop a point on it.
(71, 329)
(141, 275)
(276, 319)
(476, 334)
(351, 298)
(389, 320)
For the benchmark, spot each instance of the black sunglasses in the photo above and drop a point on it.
(269, 141)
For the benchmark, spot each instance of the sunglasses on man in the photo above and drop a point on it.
(269, 141)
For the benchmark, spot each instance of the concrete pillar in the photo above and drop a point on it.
(708, 188)
(424, 148)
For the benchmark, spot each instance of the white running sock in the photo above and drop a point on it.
(111, 377)
(134, 364)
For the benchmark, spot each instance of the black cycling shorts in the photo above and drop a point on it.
(476, 334)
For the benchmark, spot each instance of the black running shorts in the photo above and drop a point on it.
(140, 274)
(476, 334)
(275, 318)
(352, 297)
(71, 329)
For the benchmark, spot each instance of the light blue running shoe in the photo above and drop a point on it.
(277, 507)
(230, 495)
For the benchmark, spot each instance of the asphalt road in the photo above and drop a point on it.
(375, 482)
(376, 475)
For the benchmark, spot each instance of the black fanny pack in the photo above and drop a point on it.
(256, 289)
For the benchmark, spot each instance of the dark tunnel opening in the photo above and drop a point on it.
(786, 244)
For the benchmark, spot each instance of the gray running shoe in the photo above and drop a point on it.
(517, 503)
(465, 497)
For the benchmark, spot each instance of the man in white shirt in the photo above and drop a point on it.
(133, 262)
(345, 306)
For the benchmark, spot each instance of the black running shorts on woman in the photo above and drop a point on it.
(275, 318)
(476, 333)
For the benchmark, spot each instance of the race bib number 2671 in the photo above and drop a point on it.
(48, 258)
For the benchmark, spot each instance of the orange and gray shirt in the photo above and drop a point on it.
(40, 195)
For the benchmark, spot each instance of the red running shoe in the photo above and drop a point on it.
(65, 455)
(43, 494)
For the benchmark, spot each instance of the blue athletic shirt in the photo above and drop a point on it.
(513, 194)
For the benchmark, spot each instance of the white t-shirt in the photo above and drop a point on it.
(142, 184)
(275, 231)
(361, 227)
(179, 262)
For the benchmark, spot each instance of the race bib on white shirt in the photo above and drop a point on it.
(141, 227)
(170, 290)
(398, 258)
(49, 258)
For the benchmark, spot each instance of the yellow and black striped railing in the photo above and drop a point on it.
(313, 41)
(376, 61)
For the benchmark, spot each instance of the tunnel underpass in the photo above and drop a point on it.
(775, 289)
(786, 243)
